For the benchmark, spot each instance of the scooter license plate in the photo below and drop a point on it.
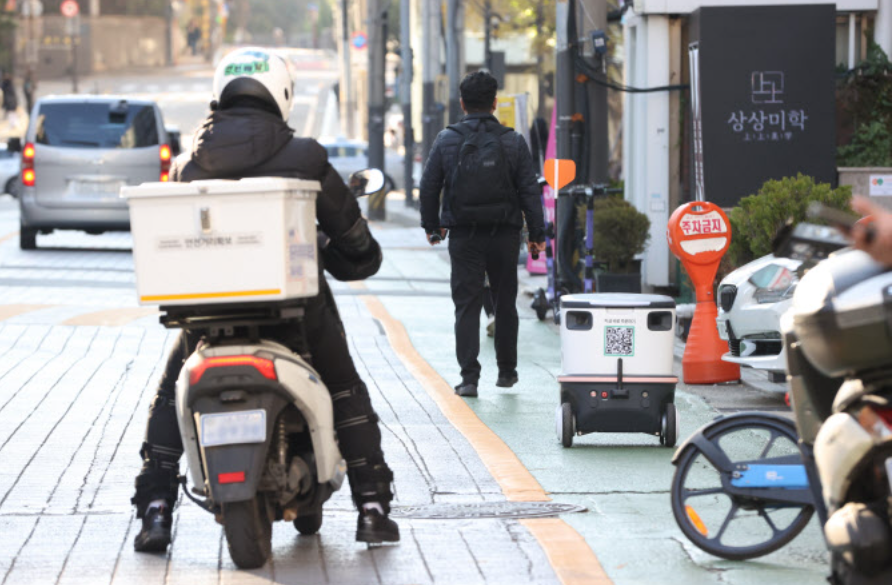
(233, 428)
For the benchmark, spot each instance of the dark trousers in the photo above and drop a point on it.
(476, 253)
(356, 423)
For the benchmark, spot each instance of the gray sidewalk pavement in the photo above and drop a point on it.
(74, 392)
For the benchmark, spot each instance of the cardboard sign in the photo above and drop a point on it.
(559, 172)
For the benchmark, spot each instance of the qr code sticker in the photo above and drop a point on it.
(619, 341)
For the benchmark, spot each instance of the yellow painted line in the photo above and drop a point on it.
(9, 236)
(572, 559)
(9, 311)
(111, 317)
(212, 295)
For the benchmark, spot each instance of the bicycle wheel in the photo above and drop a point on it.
(730, 526)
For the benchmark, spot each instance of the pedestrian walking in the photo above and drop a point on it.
(29, 86)
(10, 99)
(489, 186)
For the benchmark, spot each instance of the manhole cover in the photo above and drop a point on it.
(486, 510)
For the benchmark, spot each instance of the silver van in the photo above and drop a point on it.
(78, 153)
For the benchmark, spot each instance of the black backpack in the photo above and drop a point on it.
(482, 189)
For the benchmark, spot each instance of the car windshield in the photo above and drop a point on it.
(116, 125)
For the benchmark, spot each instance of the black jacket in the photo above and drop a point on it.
(438, 174)
(247, 142)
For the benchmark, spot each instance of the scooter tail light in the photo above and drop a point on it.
(231, 477)
(266, 367)
(29, 176)
(165, 154)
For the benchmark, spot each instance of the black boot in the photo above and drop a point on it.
(155, 533)
(374, 527)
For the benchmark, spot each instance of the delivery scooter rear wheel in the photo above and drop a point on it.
(249, 532)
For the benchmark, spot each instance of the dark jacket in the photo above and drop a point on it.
(444, 157)
(247, 142)
(10, 99)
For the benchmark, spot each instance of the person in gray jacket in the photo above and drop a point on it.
(488, 180)
(246, 135)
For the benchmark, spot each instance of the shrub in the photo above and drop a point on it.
(871, 146)
(621, 232)
(757, 218)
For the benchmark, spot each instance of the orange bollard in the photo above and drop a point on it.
(699, 235)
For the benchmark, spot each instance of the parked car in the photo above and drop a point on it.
(751, 301)
(9, 170)
(349, 156)
(78, 152)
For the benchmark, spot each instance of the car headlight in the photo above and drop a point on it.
(774, 283)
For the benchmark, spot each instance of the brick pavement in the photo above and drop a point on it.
(72, 412)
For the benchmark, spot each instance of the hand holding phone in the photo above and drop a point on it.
(841, 220)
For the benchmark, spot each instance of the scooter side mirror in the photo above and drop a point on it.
(366, 182)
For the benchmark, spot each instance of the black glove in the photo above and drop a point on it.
(352, 267)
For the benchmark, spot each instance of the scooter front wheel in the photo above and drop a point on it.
(309, 524)
(739, 527)
(249, 532)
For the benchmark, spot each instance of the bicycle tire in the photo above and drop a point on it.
(715, 431)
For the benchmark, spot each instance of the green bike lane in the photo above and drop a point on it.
(622, 479)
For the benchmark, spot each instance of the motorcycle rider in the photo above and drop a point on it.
(246, 135)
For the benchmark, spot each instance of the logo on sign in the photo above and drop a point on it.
(768, 87)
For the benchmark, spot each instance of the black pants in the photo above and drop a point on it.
(356, 423)
(476, 253)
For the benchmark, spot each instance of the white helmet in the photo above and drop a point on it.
(258, 73)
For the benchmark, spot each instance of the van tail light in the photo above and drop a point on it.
(166, 155)
(876, 420)
(29, 177)
(266, 367)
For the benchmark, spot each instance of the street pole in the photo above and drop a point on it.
(430, 61)
(487, 35)
(452, 59)
(540, 62)
(564, 101)
(597, 109)
(406, 99)
(346, 90)
(377, 18)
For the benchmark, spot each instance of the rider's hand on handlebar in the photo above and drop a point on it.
(880, 246)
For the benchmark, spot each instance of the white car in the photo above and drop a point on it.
(10, 167)
(751, 301)
(349, 156)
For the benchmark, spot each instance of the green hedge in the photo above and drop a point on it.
(758, 218)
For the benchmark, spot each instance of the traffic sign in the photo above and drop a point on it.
(359, 40)
(69, 8)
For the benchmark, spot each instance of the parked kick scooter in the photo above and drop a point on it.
(545, 299)
(589, 193)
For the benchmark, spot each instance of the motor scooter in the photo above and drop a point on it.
(255, 418)
(748, 483)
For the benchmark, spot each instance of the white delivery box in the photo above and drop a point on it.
(222, 241)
